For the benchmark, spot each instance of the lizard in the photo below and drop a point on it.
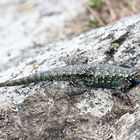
(104, 76)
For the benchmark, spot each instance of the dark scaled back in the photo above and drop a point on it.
(109, 81)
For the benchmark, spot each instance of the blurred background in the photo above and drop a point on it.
(36, 23)
(105, 11)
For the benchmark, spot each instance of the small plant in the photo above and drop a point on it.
(93, 22)
(94, 9)
(97, 4)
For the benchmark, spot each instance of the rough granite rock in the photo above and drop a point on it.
(45, 111)
(128, 126)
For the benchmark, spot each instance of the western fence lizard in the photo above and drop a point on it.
(88, 75)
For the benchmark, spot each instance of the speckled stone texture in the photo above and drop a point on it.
(46, 111)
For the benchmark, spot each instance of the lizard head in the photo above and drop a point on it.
(136, 76)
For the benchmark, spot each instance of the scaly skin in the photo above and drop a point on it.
(89, 75)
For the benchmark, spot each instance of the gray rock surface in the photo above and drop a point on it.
(128, 126)
(46, 111)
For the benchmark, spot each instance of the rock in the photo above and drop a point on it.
(128, 126)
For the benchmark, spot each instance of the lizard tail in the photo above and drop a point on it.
(27, 80)
(21, 81)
